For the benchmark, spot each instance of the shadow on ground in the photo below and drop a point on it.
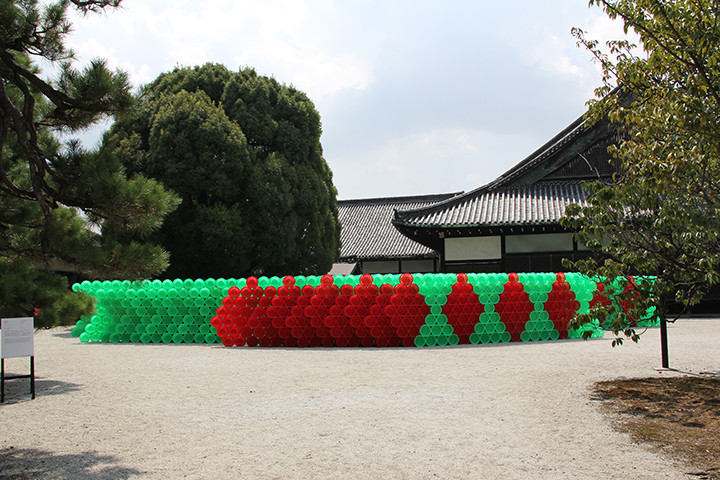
(18, 390)
(63, 333)
(28, 463)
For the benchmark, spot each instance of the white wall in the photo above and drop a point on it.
(380, 267)
(473, 248)
(541, 242)
(405, 266)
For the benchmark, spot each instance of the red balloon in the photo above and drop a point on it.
(270, 291)
(406, 279)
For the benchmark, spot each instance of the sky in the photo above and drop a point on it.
(416, 97)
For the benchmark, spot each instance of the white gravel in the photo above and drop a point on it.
(511, 411)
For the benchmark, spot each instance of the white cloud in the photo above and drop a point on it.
(603, 29)
(428, 146)
(415, 97)
(92, 49)
(439, 160)
(551, 54)
(290, 40)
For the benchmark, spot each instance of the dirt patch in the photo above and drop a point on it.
(679, 415)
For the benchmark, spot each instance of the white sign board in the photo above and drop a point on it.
(16, 337)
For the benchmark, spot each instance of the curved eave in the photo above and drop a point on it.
(557, 152)
(432, 236)
(479, 226)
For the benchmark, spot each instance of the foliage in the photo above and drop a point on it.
(244, 153)
(64, 208)
(661, 213)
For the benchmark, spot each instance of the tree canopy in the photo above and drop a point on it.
(660, 216)
(64, 207)
(244, 153)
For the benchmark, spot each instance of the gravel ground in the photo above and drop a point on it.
(513, 411)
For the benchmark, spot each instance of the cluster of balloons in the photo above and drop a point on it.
(151, 311)
(420, 310)
(535, 309)
(625, 302)
(338, 311)
(327, 315)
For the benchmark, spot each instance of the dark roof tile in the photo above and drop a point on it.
(367, 229)
(522, 205)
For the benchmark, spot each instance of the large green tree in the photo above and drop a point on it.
(63, 207)
(244, 153)
(660, 216)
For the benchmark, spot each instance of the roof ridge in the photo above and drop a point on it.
(439, 205)
(504, 203)
(551, 146)
(400, 199)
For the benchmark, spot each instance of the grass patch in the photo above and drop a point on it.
(681, 415)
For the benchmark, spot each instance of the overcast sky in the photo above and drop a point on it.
(416, 97)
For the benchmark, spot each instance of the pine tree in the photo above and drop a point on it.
(64, 207)
(244, 153)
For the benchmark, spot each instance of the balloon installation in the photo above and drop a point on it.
(392, 310)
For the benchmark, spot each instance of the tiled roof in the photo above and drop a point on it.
(521, 205)
(367, 230)
(533, 192)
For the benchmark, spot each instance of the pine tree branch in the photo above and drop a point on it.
(9, 186)
(95, 5)
(61, 101)
(26, 135)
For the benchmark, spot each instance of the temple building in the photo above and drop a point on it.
(510, 224)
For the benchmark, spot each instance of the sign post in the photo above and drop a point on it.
(17, 340)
